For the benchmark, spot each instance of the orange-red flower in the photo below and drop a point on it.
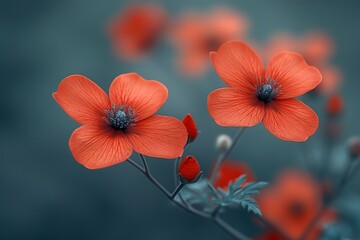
(115, 125)
(190, 127)
(317, 48)
(292, 202)
(196, 34)
(189, 169)
(136, 29)
(255, 94)
(229, 171)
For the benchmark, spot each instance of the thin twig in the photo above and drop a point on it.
(177, 190)
(227, 228)
(176, 173)
(151, 178)
(143, 160)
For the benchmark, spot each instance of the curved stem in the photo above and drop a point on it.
(224, 155)
(143, 160)
(150, 177)
(176, 165)
(177, 190)
(227, 228)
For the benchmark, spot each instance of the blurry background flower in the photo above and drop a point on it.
(231, 170)
(316, 47)
(197, 33)
(291, 203)
(137, 29)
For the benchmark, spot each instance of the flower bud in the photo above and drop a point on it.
(189, 170)
(223, 142)
(191, 128)
(334, 105)
(354, 147)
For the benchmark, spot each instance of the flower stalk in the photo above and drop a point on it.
(224, 155)
(187, 207)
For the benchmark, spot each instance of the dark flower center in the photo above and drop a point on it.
(120, 118)
(297, 209)
(267, 91)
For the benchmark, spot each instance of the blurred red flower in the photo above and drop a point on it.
(231, 170)
(317, 49)
(136, 29)
(115, 125)
(196, 34)
(334, 104)
(255, 94)
(291, 203)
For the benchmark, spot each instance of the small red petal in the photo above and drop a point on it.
(190, 127)
(189, 168)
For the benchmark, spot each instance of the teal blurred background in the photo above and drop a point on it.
(46, 194)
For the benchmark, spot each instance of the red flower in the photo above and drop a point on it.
(114, 126)
(196, 34)
(292, 202)
(190, 127)
(316, 48)
(230, 171)
(189, 169)
(136, 29)
(335, 104)
(255, 94)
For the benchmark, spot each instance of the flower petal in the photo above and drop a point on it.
(237, 64)
(290, 120)
(235, 108)
(82, 99)
(294, 75)
(145, 97)
(98, 147)
(159, 136)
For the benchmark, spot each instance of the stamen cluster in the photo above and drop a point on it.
(120, 118)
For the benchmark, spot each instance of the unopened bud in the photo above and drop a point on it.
(223, 142)
(354, 147)
(189, 170)
(191, 128)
